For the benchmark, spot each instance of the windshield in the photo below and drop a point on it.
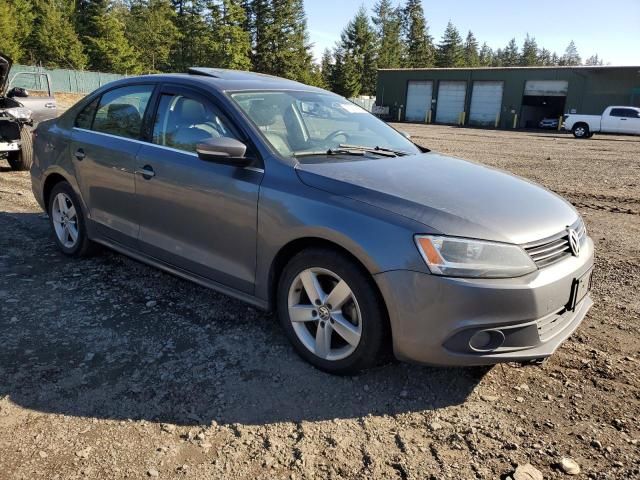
(308, 123)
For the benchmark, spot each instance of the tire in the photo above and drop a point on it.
(23, 159)
(73, 245)
(357, 329)
(581, 131)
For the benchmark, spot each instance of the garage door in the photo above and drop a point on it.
(450, 101)
(486, 100)
(418, 100)
(546, 88)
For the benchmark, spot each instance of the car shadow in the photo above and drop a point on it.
(110, 338)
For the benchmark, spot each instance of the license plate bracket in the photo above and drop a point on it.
(580, 288)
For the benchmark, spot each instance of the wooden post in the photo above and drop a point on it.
(515, 120)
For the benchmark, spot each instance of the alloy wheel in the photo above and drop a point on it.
(65, 220)
(324, 313)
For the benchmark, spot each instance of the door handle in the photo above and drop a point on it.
(80, 154)
(146, 172)
(50, 105)
(624, 119)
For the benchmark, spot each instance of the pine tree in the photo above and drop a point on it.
(544, 58)
(510, 55)
(555, 59)
(153, 34)
(471, 55)
(419, 44)
(104, 37)
(571, 56)
(232, 43)
(195, 45)
(327, 69)
(529, 55)
(497, 58)
(594, 60)
(358, 56)
(485, 57)
(387, 21)
(53, 40)
(450, 50)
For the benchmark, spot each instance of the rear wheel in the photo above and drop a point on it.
(581, 130)
(67, 222)
(330, 310)
(22, 159)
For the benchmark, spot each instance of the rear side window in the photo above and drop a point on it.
(121, 110)
(85, 117)
(617, 112)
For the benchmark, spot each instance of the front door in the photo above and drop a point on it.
(105, 141)
(196, 215)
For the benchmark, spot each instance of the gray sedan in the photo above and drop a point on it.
(293, 199)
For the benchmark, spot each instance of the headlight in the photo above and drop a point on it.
(19, 113)
(461, 257)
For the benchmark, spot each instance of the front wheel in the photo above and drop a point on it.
(581, 131)
(22, 159)
(331, 312)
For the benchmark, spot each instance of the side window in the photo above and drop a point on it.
(617, 112)
(121, 110)
(630, 113)
(183, 122)
(85, 117)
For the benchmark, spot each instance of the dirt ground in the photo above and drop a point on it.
(111, 369)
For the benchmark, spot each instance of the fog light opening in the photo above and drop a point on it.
(486, 340)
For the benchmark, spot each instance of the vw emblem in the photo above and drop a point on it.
(574, 242)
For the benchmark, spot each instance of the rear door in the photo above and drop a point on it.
(198, 216)
(105, 141)
(611, 122)
(40, 100)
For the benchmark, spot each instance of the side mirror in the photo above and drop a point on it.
(18, 92)
(228, 151)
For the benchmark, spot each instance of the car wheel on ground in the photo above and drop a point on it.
(67, 222)
(22, 159)
(331, 312)
(581, 131)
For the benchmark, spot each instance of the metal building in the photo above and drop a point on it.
(510, 97)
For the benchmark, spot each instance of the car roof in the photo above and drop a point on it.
(226, 80)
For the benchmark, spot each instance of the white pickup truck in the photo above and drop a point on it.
(614, 120)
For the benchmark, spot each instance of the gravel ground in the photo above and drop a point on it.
(111, 369)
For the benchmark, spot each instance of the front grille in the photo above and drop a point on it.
(553, 249)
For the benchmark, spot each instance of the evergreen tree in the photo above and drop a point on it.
(450, 50)
(471, 55)
(497, 58)
(345, 75)
(419, 44)
(327, 69)
(195, 47)
(16, 19)
(594, 60)
(544, 58)
(104, 37)
(555, 59)
(510, 55)
(388, 25)
(282, 45)
(232, 43)
(485, 57)
(153, 34)
(571, 56)
(53, 41)
(358, 56)
(529, 54)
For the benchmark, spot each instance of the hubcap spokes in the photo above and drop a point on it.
(325, 314)
(65, 220)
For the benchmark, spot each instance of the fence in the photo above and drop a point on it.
(67, 81)
(365, 102)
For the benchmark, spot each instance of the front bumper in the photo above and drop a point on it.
(434, 319)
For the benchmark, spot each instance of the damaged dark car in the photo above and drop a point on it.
(15, 122)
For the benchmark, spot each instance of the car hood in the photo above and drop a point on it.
(452, 196)
(5, 66)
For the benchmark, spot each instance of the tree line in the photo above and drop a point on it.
(268, 36)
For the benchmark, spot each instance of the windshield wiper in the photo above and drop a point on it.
(354, 150)
(379, 150)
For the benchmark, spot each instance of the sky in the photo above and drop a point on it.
(609, 28)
